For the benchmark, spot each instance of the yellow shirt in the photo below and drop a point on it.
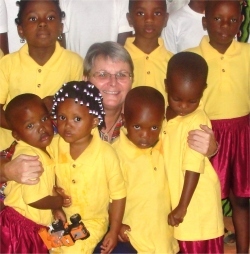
(19, 74)
(204, 218)
(1, 54)
(228, 92)
(91, 180)
(149, 69)
(18, 196)
(148, 200)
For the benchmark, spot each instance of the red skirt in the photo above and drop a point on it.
(19, 234)
(232, 162)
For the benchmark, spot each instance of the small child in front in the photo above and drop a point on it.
(28, 207)
(146, 48)
(88, 168)
(141, 158)
(194, 185)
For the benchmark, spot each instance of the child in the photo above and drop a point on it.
(150, 58)
(141, 159)
(88, 168)
(193, 183)
(41, 66)
(226, 101)
(28, 206)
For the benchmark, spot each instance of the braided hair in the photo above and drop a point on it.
(84, 93)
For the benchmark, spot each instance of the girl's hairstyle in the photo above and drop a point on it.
(23, 3)
(84, 93)
(106, 49)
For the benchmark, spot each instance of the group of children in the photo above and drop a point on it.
(172, 193)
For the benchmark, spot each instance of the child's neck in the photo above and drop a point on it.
(220, 48)
(77, 148)
(41, 55)
(147, 46)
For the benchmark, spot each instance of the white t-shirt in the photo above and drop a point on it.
(90, 21)
(3, 17)
(13, 37)
(184, 30)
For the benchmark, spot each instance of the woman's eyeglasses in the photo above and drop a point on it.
(105, 76)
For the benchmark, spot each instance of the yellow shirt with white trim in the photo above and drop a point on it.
(91, 180)
(19, 74)
(228, 85)
(148, 200)
(149, 69)
(204, 219)
(18, 196)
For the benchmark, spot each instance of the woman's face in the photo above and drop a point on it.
(112, 88)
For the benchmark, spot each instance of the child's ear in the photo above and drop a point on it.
(15, 135)
(95, 122)
(129, 19)
(204, 23)
(20, 32)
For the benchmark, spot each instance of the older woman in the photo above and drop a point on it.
(110, 68)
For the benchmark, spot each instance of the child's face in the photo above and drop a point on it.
(148, 17)
(74, 122)
(222, 22)
(183, 95)
(144, 126)
(33, 125)
(40, 24)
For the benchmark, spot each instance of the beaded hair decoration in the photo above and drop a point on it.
(84, 93)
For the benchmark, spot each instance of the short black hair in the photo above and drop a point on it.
(145, 96)
(131, 2)
(23, 3)
(188, 64)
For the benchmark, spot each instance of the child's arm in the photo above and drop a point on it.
(116, 215)
(190, 182)
(53, 202)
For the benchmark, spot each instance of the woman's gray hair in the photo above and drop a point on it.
(106, 49)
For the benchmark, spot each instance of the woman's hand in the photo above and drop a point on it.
(203, 141)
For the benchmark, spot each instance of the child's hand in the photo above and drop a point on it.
(109, 242)
(59, 214)
(66, 199)
(176, 216)
(123, 236)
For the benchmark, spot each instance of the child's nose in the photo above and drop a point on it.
(42, 23)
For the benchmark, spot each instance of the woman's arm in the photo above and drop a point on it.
(23, 169)
(203, 141)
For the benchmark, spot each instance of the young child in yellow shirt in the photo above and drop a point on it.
(146, 48)
(141, 158)
(87, 167)
(41, 66)
(227, 104)
(28, 207)
(193, 183)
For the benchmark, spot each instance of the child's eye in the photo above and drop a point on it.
(62, 118)
(32, 19)
(154, 128)
(217, 19)
(51, 18)
(233, 20)
(136, 127)
(157, 13)
(175, 99)
(77, 119)
(140, 13)
(30, 126)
